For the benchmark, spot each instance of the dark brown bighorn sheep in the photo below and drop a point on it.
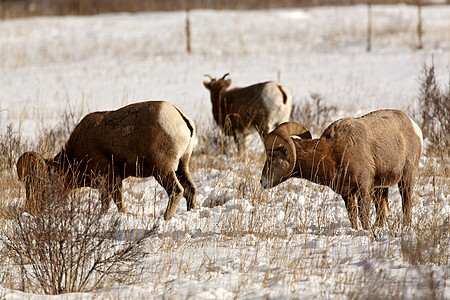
(144, 139)
(238, 111)
(357, 157)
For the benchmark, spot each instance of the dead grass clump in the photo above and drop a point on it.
(215, 150)
(70, 246)
(11, 145)
(53, 139)
(434, 111)
(313, 113)
(428, 245)
(211, 140)
(428, 241)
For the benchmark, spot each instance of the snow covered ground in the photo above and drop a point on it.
(293, 241)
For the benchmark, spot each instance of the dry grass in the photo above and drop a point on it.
(314, 113)
(271, 238)
(435, 111)
(71, 246)
(286, 240)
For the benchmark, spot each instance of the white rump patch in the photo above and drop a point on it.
(417, 131)
(174, 125)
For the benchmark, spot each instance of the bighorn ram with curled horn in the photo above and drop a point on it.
(144, 139)
(357, 157)
(238, 111)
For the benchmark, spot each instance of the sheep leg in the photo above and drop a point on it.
(185, 178)
(242, 141)
(363, 209)
(381, 196)
(405, 187)
(175, 192)
(117, 195)
(350, 204)
(114, 190)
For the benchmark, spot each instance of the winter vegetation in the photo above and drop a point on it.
(241, 241)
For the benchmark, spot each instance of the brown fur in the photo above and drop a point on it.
(240, 110)
(358, 158)
(131, 141)
(31, 169)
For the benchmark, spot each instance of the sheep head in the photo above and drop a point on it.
(217, 85)
(281, 155)
(32, 169)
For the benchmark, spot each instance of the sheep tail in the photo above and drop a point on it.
(285, 94)
(189, 123)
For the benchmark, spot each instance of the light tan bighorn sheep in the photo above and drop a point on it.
(357, 157)
(144, 139)
(239, 111)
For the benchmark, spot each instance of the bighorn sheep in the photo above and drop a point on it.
(238, 111)
(356, 157)
(144, 139)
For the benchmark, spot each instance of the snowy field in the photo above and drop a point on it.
(293, 241)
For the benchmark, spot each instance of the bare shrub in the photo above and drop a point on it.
(434, 110)
(10, 147)
(428, 241)
(313, 113)
(211, 139)
(427, 245)
(51, 140)
(70, 246)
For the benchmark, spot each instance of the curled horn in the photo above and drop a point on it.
(223, 78)
(281, 136)
(209, 76)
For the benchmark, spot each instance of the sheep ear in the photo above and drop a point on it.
(206, 84)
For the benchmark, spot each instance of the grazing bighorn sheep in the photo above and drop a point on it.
(145, 139)
(356, 157)
(238, 111)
